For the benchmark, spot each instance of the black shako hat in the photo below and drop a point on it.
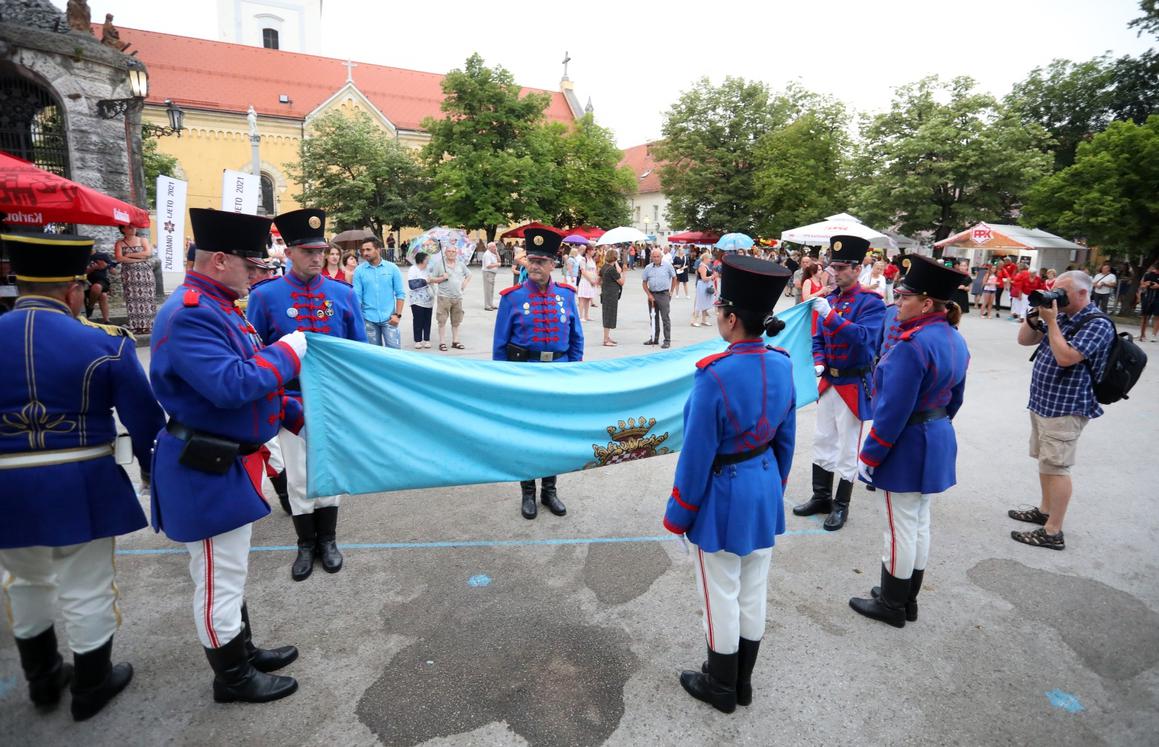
(231, 233)
(930, 278)
(751, 284)
(47, 258)
(851, 249)
(542, 242)
(304, 229)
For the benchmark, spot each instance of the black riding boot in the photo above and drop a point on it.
(527, 488)
(822, 500)
(746, 660)
(96, 681)
(264, 659)
(717, 686)
(549, 498)
(307, 539)
(236, 679)
(911, 605)
(889, 607)
(279, 483)
(44, 668)
(840, 512)
(326, 523)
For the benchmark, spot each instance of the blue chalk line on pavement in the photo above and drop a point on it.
(461, 543)
(1065, 701)
(480, 580)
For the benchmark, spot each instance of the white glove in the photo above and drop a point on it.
(865, 472)
(297, 341)
(821, 306)
(818, 370)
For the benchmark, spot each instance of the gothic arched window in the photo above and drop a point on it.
(268, 194)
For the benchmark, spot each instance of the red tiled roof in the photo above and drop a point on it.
(639, 159)
(203, 74)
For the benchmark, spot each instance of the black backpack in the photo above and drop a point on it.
(1125, 364)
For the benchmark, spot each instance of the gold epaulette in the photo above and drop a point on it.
(108, 329)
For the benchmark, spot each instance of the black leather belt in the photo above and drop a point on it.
(841, 372)
(723, 460)
(518, 353)
(185, 433)
(659, 293)
(925, 416)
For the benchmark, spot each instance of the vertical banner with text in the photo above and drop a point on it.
(171, 223)
(240, 192)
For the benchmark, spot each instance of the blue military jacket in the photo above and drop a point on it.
(847, 339)
(890, 331)
(212, 374)
(286, 304)
(925, 369)
(541, 322)
(741, 399)
(59, 383)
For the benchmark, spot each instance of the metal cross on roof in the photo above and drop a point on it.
(350, 70)
(566, 59)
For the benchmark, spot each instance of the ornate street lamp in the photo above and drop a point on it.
(176, 117)
(138, 79)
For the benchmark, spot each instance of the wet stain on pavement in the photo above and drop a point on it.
(620, 572)
(1115, 634)
(517, 652)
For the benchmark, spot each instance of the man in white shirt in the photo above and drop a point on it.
(1104, 287)
(866, 269)
(490, 268)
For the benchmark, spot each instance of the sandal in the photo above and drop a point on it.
(458, 346)
(442, 347)
(1039, 538)
(1030, 516)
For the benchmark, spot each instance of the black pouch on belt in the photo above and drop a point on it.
(517, 353)
(210, 454)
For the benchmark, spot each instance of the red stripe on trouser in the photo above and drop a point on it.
(892, 536)
(209, 631)
(707, 606)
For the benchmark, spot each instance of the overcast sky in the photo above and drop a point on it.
(634, 58)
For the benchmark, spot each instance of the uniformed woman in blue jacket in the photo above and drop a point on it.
(911, 451)
(739, 432)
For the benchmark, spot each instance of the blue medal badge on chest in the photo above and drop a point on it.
(292, 312)
(526, 308)
(329, 308)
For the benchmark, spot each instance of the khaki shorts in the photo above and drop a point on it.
(452, 307)
(1054, 442)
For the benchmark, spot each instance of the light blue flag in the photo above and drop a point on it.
(461, 422)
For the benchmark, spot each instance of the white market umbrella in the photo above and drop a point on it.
(818, 234)
(622, 235)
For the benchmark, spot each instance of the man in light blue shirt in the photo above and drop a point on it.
(381, 294)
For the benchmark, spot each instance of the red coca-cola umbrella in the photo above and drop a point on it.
(517, 233)
(694, 237)
(591, 233)
(31, 196)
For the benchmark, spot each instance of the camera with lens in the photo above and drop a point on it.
(1045, 298)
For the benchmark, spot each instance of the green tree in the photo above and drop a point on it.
(1110, 195)
(1149, 21)
(351, 168)
(589, 187)
(1071, 100)
(1075, 100)
(483, 174)
(801, 173)
(932, 166)
(709, 152)
(155, 164)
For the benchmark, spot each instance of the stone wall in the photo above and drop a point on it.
(103, 153)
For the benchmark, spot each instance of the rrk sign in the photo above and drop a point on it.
(981, 234)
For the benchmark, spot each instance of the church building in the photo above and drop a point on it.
(264, 58)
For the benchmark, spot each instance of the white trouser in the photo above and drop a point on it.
(218, 566)
(734, 591)
(907, 533)
(82, 576)
(838, 436)
(277, 464)
(294, 455)
(1018, 306)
